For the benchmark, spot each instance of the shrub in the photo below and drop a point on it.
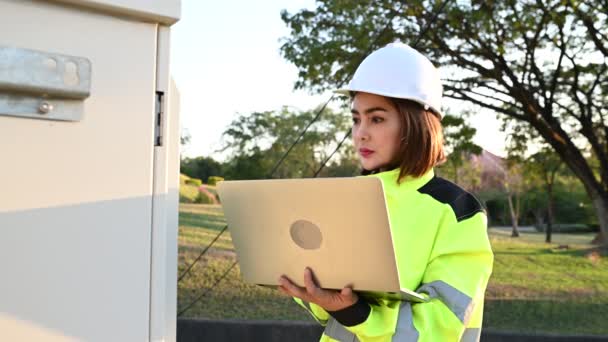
(194, 181)
(213, 180)
(203, 198)
(188, 193)
(184, 199)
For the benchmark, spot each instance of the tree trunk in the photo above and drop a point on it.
(549, 214)
(539, 216)
(601, 208)
(514, 218)
(549, 229)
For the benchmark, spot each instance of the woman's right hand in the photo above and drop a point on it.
(330, 300)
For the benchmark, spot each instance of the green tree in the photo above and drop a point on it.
(201, 167)
(184, 139)
(459, 147)
(534, 204)
(514, 186)
(571, 203)
(345, 167)
(546, 164)
(253, 165)
(256, 142)
(540, 63)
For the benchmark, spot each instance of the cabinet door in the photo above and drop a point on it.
(75, 197)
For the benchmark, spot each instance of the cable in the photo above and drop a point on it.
(428, 25)
(208, 290)
(332, 154)
(421, 34)
(270, 175)
(315, 118)
(187, 271)
(300, 136)
(235, 262)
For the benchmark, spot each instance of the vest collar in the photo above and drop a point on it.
(389, 180)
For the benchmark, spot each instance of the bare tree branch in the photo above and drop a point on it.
(574, 87)
(557, 70)
(461, 95)
(597, 37)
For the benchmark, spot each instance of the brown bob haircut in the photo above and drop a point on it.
(421, 146)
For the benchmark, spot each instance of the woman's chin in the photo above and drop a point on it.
(369, 166)
(376, 167)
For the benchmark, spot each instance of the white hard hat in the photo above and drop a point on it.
(399, 71)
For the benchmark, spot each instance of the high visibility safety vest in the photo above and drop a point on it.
(442, 251)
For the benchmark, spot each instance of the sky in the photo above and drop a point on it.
(225, 60)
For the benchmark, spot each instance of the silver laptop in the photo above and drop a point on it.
(339, 227)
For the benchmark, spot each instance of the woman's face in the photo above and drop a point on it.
(376, 130)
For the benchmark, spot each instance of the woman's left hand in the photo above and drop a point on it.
(330, 300)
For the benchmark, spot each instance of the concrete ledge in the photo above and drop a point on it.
(492, 335)
(195, 330)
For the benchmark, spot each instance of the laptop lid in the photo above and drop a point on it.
(337, 226)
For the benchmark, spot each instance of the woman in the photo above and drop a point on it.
(439, 230)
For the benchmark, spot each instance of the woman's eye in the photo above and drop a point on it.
(355, 120)
(377, 119)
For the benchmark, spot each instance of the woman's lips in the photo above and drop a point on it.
(365, 152)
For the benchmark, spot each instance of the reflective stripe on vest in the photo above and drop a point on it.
(338, 332)
(309, 308)
(405, 330)
(471, 335)
(459, 303)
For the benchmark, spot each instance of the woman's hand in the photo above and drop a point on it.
(330, 300)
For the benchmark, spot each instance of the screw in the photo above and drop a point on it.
(45, 108)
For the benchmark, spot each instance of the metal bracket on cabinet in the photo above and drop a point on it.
(42, 85)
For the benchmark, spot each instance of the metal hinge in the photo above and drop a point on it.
(158, 118)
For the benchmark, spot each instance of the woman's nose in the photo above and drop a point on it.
(361, 132)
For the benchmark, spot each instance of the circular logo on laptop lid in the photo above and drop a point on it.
(306, 234)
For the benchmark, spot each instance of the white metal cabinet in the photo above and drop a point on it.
(88, 208)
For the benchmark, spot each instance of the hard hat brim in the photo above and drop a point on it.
(348, 91)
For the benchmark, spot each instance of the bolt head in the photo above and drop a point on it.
(45, 108)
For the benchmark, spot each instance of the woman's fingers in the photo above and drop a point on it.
(291, 288)
(349, 295)
(309, 283)
(331, 300)
(346, 292)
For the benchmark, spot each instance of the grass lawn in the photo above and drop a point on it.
(232, 298)
(535, 287)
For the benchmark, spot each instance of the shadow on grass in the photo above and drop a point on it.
(577, 252)
(216, 250)
(546, 316)
(242, 301)
(198, 220)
